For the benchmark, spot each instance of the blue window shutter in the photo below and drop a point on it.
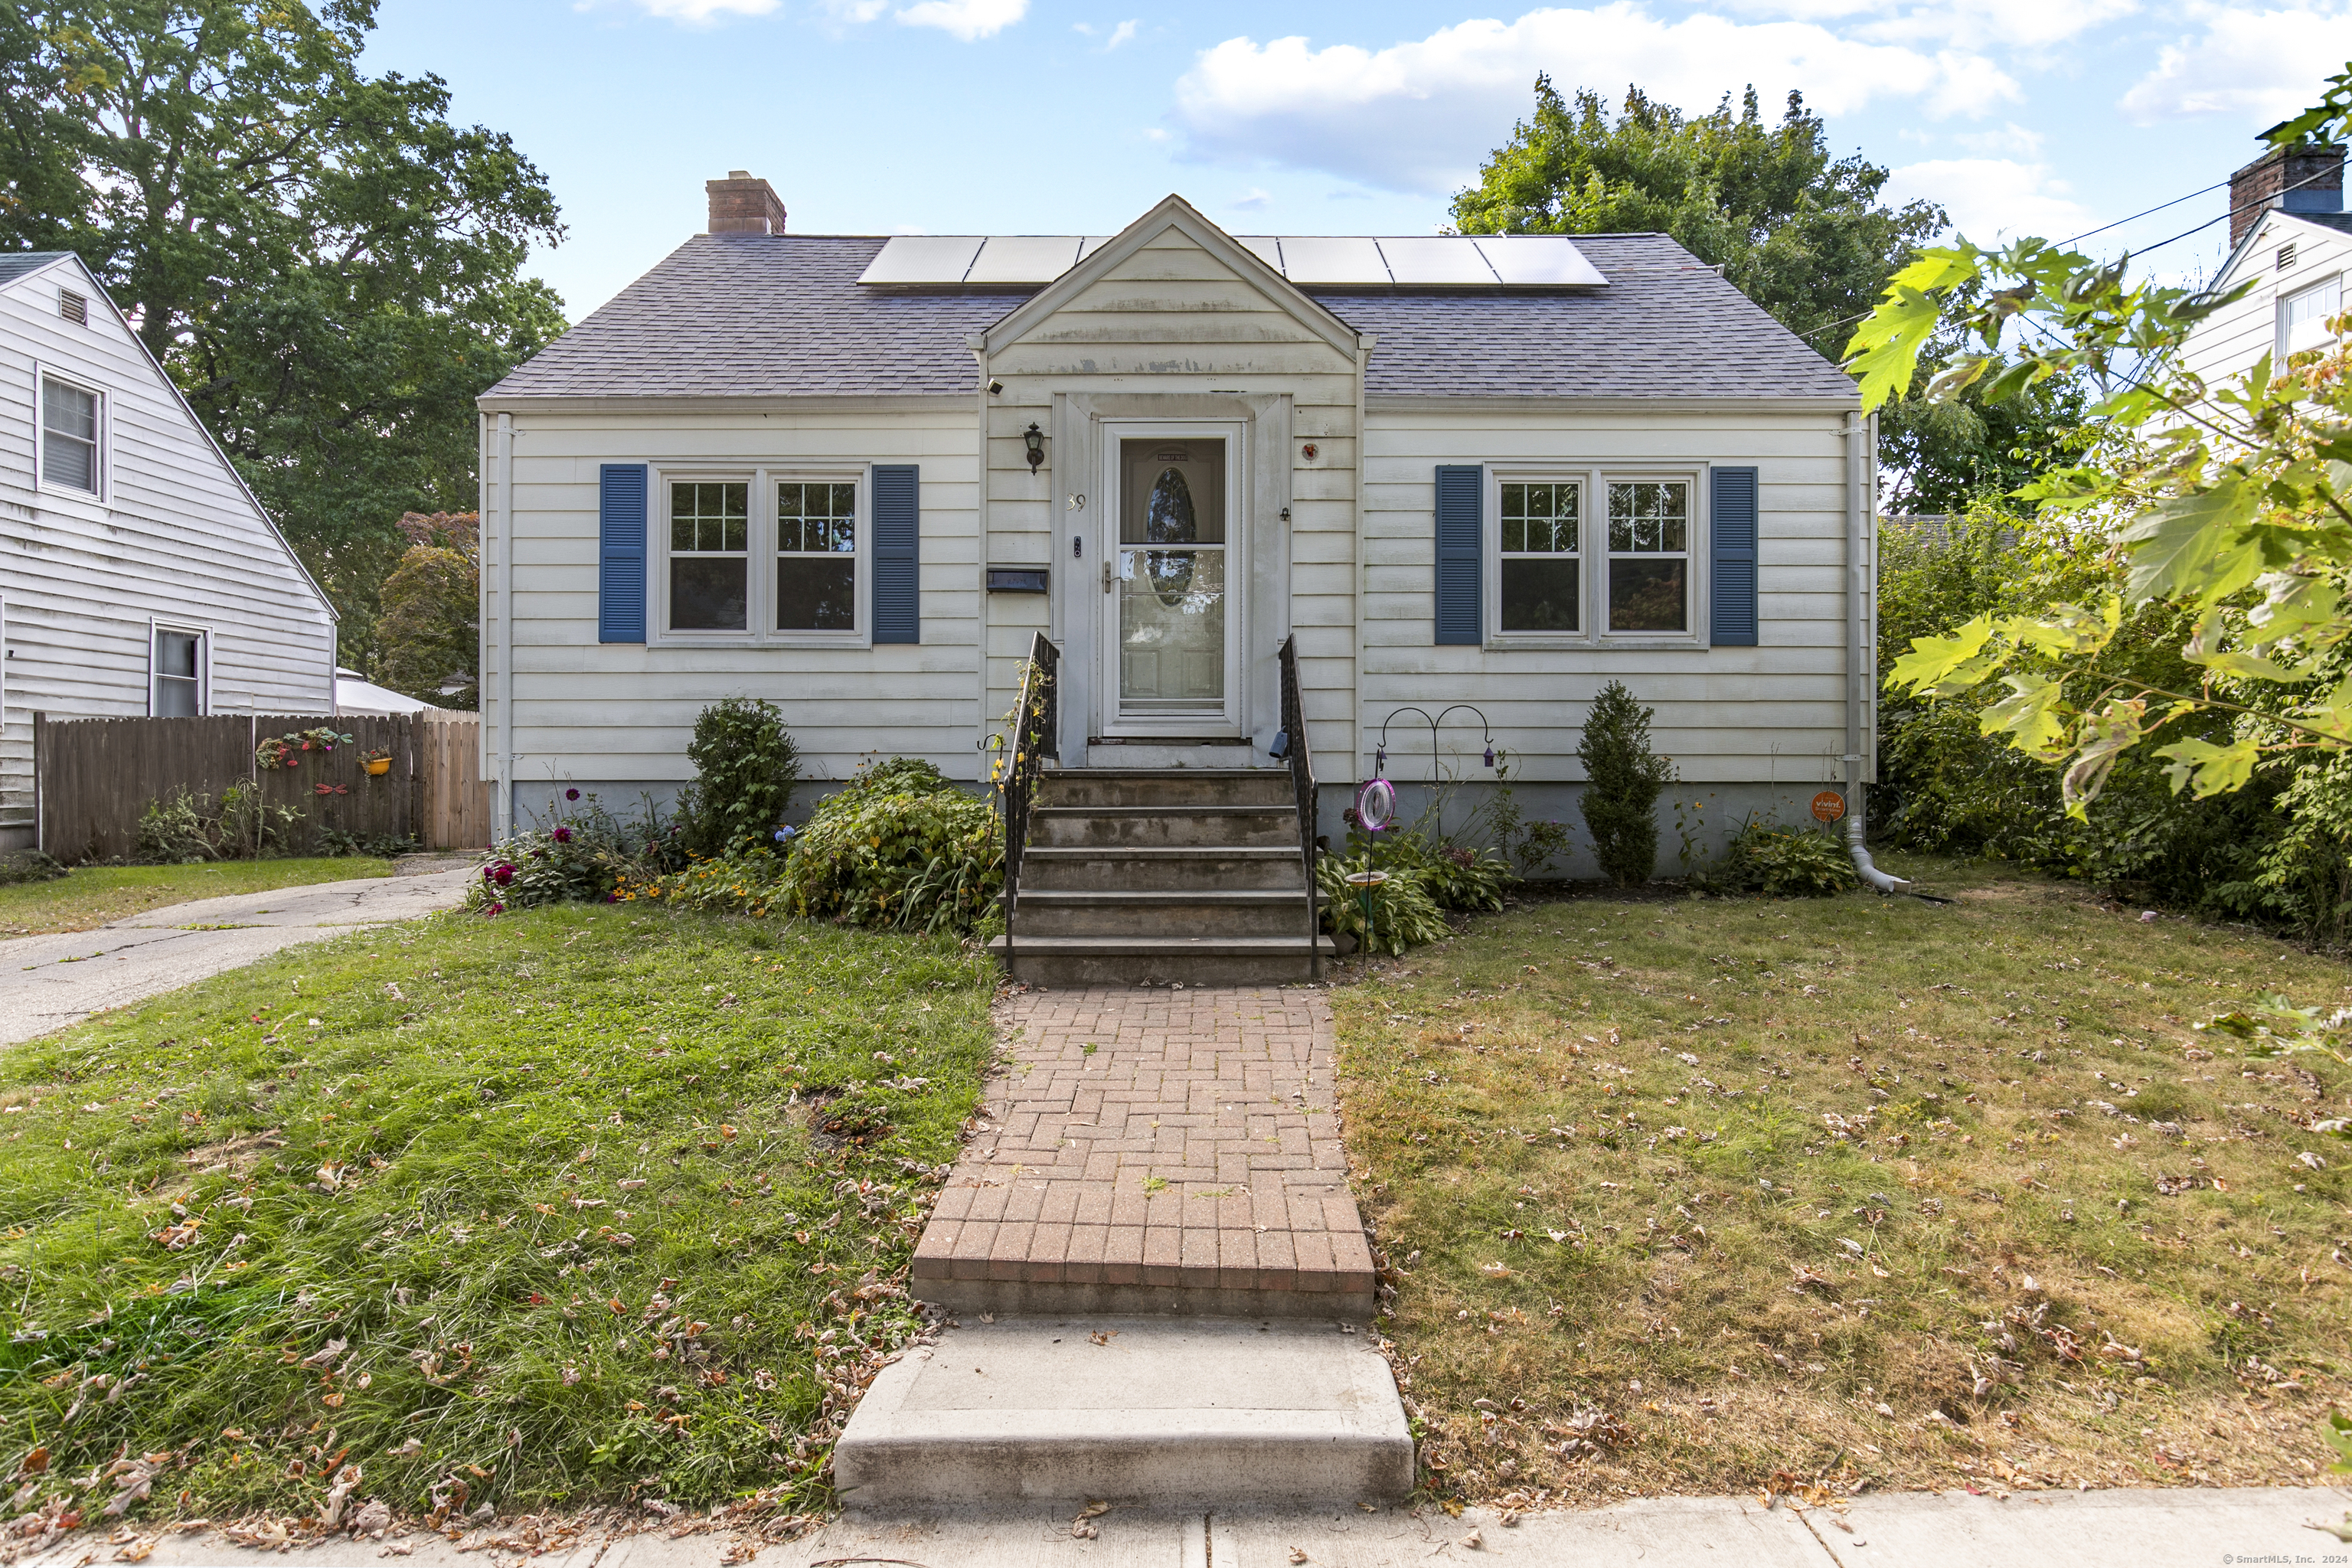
(621, 552)
(1461, 497)
(897, 525)
(1731, 525)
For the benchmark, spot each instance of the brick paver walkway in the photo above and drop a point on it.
(1156, 1149)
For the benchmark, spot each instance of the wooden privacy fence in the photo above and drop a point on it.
(94, 778)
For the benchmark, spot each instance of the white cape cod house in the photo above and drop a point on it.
(139, 576)
(856, 476)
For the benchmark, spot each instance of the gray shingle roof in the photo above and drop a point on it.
(15, 263)
(783, 316)
(1665, 326)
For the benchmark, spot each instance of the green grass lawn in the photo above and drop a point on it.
(579, 1203)
(1698, 1195)
(88, 896)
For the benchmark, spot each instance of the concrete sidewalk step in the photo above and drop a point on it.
(1172, 868)
(1119, 1409)
(1156, 911)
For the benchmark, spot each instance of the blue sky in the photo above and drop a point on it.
(1305, 117)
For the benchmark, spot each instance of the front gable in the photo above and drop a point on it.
(1172, 294)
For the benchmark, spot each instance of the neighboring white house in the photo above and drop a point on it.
(138, 575)
(856, 475)
(2290, 239)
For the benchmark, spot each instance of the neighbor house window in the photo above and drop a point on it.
(710, 556)
(1649, 555)
(179, 673)
(2303, 316)
(1539, 565)
(68, 436)
(816, 557)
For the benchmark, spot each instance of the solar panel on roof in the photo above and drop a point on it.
(923, 259)
(1023, 259)
(1430, 258)
(1535, 261)
(1264, 247)
(1332, 259)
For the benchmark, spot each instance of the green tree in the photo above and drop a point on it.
(1801, 232)
(1798, 231)
(1623, 779)
(430, 633)
(328, 268)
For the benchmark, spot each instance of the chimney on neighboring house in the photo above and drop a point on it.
(2301, 179)
(742, 204)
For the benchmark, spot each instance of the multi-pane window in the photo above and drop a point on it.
(1539, 560)
(816, 557)
(710, 556)
(1649, 556)
(68, 437)
(2303, 316)
(179, 673)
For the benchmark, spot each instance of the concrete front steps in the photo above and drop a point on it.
(1152, 876)
(1202, 1412)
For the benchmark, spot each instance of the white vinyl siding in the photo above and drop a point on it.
(173, 537)
(1773, 713)
(2227, 342)
(620, 714)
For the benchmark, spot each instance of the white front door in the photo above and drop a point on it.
(1170, 643)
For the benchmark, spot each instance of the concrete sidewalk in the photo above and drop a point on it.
(2177, 1528)
(50, 982)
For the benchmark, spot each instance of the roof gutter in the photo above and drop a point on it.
(1861, 648)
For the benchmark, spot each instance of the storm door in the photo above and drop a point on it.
(1169, 593)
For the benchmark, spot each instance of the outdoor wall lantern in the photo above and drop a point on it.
(1035, 439)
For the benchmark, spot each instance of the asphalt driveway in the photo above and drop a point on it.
(47, 983)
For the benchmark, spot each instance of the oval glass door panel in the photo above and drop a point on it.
(1173, 604)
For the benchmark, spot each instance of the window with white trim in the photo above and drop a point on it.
(816, 556)
(1540, 566)
(1649, 562)
(69, 436)
(2303, 316)
(709, 556)
(179, 673)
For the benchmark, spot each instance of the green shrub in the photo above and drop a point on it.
(1403, 914)
(191, 829)
(27, 865)
(926, 856)
(745, 766)
(1454, 876)
(1625, 779)
(1782, 863)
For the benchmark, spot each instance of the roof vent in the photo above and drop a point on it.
(73, 307)
(2285, 256)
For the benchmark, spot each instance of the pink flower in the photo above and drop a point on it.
(561, 836)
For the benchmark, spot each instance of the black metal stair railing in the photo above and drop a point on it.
(1037, 735)
(1293, 742)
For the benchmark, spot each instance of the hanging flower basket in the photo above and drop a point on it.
(286, 750)
(377, 763)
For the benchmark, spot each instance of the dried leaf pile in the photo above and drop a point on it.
(465, 1219)
(1702, 1195)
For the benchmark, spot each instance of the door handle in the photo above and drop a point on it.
(1106, 575)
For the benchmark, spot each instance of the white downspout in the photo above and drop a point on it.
(1860, 516)
(502, 801)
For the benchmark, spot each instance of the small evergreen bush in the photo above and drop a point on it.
(1625, 779)
(745, 766)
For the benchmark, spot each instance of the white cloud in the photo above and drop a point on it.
(1257, 200)
(1987, 198)
(2008, 25)
(967, 19)
(1420, 115)
(699, 12)
(2012, 139)
(2259, 64)
(1122, 34)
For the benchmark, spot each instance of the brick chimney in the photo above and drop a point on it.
(742, 204)
(2302, 179)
